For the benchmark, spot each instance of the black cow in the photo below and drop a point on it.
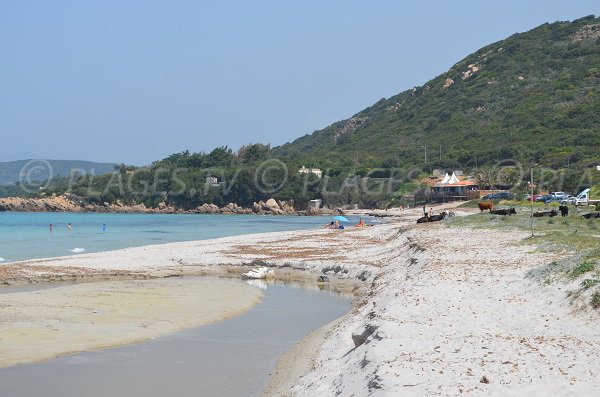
(592, 215)
(432, 218)
(435, 218)
(564, 210)
(505, 211)
(423, 219)
(540, 214)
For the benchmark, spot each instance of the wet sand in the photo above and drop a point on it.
(232, 358)
(43, 324)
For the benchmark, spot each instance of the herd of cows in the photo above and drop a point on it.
(489, 206)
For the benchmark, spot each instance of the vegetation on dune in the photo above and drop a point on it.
(573, 237)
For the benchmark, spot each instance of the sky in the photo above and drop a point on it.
(132, 81)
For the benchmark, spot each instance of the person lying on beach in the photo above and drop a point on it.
(338, 225)
(330, 225)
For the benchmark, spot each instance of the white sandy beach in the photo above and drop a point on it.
(450, 310)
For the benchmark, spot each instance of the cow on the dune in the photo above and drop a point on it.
(564, 210)
(423, 219)
(435, 218)
(509, 211)
(485, 205)
(432, 218)
(591, 215)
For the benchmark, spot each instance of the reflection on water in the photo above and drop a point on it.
(262, 284)
(324, 288)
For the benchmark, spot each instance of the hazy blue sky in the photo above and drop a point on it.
(134, 81)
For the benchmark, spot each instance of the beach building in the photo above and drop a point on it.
(212, 181)
(451, 187)
(316, 171)
(315, 204)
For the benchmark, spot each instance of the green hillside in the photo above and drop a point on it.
(41, 170)
(533, 97)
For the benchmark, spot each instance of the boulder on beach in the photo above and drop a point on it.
(272, 204)
(208, 209)
(233, 208)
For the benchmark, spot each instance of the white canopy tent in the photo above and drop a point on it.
(446, 179)
(453, 179)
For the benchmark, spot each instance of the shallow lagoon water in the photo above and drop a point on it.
(27, 236)
(233, 357)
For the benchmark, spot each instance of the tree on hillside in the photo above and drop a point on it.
(253, 153)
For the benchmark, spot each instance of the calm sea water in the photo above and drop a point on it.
(27, 236)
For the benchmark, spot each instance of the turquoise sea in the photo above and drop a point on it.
(27, 235)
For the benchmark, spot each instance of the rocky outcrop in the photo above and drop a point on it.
(234, 209)
(448, 83)
(273, 207)
(208, 209)
(587, 32)
(71, 203)
(50, 204)
(354, 123)
(271, 204)
(471, 71)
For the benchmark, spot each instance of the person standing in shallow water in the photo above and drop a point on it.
(104, 227)
(51, 227)
(69, 227)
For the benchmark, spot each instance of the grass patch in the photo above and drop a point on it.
(582, 268)
(576, 239)
(589, 282)
(546, 273)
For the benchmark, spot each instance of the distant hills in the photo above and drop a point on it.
(533, 97)
(40, 170)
